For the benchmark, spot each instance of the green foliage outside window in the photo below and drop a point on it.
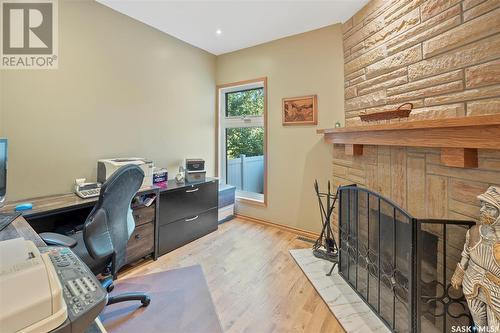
(247, 141)
(245, 103)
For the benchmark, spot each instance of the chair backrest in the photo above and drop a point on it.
(108, 227)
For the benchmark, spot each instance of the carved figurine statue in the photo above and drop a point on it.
(479, 269)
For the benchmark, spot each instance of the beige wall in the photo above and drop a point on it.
(125, 89)
(309, 63)
(122, 89)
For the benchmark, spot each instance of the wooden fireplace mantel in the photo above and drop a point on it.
(459, 138)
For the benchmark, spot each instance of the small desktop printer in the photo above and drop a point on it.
(105, 168)
(31, 294)
(46, 290)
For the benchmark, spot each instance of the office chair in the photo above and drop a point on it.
(103, 241)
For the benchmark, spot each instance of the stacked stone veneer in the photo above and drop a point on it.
(444, 57)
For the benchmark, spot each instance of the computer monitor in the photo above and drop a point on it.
(3, 170)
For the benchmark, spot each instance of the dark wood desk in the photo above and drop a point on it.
(179, 202)
(180, 205)
(54, 204)
(21, 228)
(49, 212)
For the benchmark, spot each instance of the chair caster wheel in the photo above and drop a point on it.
(110, 288)
(146, 301)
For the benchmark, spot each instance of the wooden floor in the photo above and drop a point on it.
(255, 284)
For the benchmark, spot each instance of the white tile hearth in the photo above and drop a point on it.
(349, 309)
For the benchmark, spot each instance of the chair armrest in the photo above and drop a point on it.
(52, 238)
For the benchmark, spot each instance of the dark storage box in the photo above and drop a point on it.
(195, 164)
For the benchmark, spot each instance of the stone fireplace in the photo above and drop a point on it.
(443, 56)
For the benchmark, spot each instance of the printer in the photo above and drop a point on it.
(38, 290)
(105, 168)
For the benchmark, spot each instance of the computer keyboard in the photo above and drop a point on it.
(7, 218)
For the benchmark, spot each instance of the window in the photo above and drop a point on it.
(242, 138)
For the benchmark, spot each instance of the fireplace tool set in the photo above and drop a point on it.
(325, 246)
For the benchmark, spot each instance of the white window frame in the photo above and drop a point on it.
(238, 122)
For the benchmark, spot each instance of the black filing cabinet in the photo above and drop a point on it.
(187, 212)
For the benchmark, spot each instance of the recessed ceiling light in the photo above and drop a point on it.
(218, 32)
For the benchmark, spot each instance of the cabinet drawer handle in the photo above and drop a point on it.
(137, 236)
(191, 191)
(192, 219)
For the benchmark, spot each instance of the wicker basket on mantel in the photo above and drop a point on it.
(403, 111)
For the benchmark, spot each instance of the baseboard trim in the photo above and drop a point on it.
(297, 231)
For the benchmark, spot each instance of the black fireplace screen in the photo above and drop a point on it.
(399, 265)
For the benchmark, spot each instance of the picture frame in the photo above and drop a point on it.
(302, 110)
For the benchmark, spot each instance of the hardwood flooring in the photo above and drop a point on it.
(255, 284)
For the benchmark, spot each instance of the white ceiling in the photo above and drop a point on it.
(243, 23)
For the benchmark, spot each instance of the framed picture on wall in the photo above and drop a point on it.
(300, 110)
